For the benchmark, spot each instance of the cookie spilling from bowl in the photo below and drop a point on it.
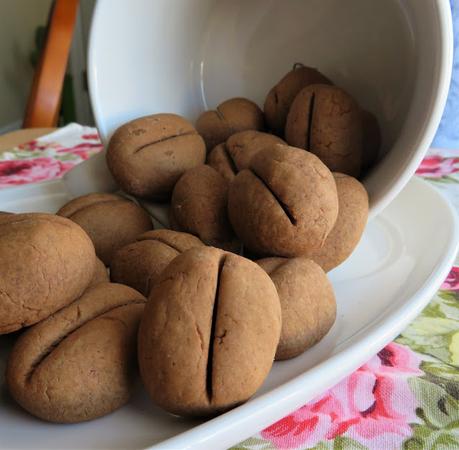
(263, 203)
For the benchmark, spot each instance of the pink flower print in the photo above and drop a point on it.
(29, 171)
(33, 145)
(452, 280)
(373, 406)
(436, 166)
(301, 428)
(91, 137)
(84, 150)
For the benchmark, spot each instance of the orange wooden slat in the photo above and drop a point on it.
(45, 96)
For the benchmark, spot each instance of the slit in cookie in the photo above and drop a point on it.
(310, 119)
(283, 206)
(229, 159)
(210, 355)
(163, 241)
(52, 345)
(168, 138)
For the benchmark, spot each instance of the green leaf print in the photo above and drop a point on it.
(254, 444)
(425, 438)
(437, 407)
(436, 330)
(345, 443)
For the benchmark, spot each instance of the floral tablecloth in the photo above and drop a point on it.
(406, 396)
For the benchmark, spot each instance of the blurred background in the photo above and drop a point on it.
(22, 33)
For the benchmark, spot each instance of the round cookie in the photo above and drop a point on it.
(46, 262)
(209, 332)
(231, 116)
(79, 364)
(199, 206)
(327, 121)
(349, 226)
(111, 221)
(147, 155)
(307, 301)
(100, 274)
(285, 204)
(235, 154)
(141, 263)
(371, 141)
(281, 96)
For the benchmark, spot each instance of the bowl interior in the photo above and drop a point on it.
(185, 56)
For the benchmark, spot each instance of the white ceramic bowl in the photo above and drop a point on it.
(185, 56)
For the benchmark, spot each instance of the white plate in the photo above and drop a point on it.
(403, 257)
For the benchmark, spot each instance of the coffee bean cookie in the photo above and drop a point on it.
(327, 121)
(307, 301)
(349, 226)
(231, 116)
(281, 96)
(79, 364)
(141, 263)
(111, 221)
(285, 204)
(46, 262)
(147, 155)
(209, 332)
(199, 206)
(235, 154)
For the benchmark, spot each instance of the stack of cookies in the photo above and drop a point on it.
(262, 205)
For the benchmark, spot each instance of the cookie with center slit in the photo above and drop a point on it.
(285, 204)
(80, 363)
(209, 332)
(140, 264)
(146, 156)
(111, 221)
(281, 96)
(327, 121)
(235, 154)
(231, 116)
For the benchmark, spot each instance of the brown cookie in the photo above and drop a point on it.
(281, 96)
(285, 204)
(100, 274)
(235, 154)
(349, 226)
(209, 332)
(327, 121)
(147, 155)
(46, 262)
(111, 221)
(371, 141)
(231, 116)
(79, 363)
(199, 206)
(140, 264)
(307, 301)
